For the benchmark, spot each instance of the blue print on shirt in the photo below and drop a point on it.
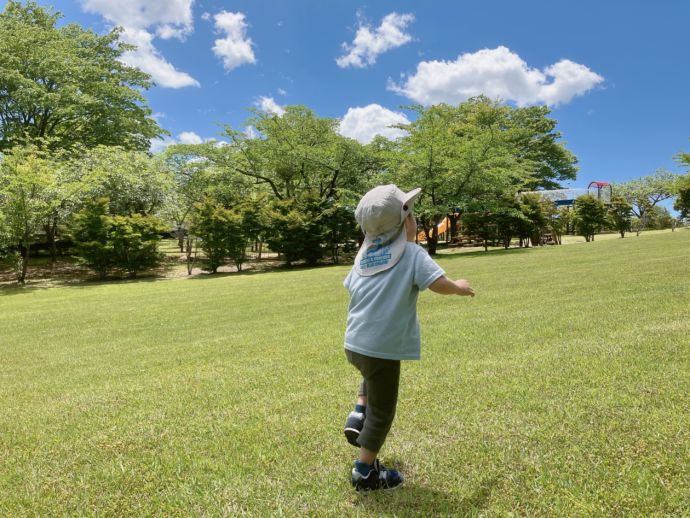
(376, 255)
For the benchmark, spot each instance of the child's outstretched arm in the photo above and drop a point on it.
(444, 286)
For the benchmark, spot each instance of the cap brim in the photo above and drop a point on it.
(411, 196)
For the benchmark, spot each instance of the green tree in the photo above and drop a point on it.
(27, 180)
(68, 85)
(537, 211)
(481, 224)
(659, 218)
(294, 228)
(589, 216)
(298, 154)
(538, 142)
(105, 242)
(646, 192)
(682, 202)
(620, 215)
(89, 231)
(340, 228)
(133, 182)
(134, 240)
(456, 155)
(211, 224)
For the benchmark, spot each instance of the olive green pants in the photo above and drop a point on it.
(380, 381)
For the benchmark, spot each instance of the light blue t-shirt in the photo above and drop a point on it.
(382, 318)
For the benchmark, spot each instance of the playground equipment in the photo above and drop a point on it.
(604, 191)
(561, 197)
(441, 229)
(566, 197)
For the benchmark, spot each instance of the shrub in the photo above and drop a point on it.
(589, 216)
(104, 242)
(134, 240)
(295, 229)
(620, 215)
(224, 233)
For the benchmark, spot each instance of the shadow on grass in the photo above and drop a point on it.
(258, 271)
(83, 282)
(420, 500)
(80, 284)
(493, 253)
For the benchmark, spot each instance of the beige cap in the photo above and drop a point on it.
(381, 213)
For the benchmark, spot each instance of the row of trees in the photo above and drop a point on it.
(75, 130)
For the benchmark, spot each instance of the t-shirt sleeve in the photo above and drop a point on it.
(426, 271)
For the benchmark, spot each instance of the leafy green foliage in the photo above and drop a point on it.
(659, 218)
(645, 192)
(480, 149)
(105, 242)
(89, 231)
(225, 233)
(134, 240)
(682, 202)
(131, 180)
(294, 228)
(620, 215)
(68, 85)
(340, 228)
(27, 181)
(589, 217)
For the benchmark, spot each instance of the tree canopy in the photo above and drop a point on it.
(66, 85)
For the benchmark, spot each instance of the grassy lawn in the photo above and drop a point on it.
(563, 388)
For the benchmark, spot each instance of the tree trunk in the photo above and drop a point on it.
(190, 263)
(453, 226)
(51, 231)
(26, 249)
(431, 239)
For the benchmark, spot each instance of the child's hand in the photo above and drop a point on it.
(464, 287)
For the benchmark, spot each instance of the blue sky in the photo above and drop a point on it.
(615, 72)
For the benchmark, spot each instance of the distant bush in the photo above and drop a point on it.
(223, 233)
(620, 215)
(294, 228)
(127, 242)
(589, 216)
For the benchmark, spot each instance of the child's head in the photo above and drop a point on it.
(382, 215)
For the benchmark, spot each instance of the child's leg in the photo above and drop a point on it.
(381, 379)
(362, 393)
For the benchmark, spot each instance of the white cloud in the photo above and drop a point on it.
(496, 73)
(363, 124)
(236, 48)
(189, 137)
(250, 132)
(142, 20)
(268, 104)
(282, 92)
(148, 59)
(173, 18)
(158, 145)
(368, 44)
